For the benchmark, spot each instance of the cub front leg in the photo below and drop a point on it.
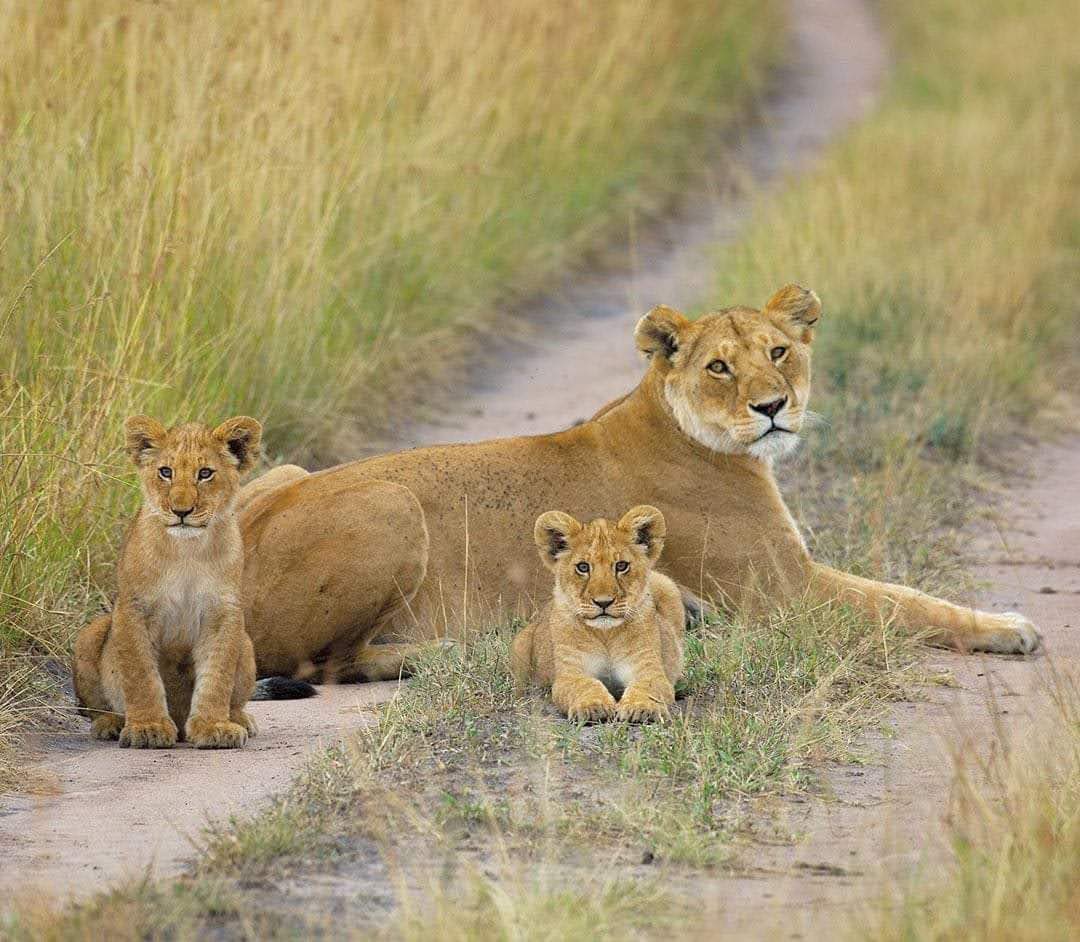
(576, 692)
(147, 724)
(244, 687)
(583, 699)
(650, 695)
(954, 626)
(216, 655)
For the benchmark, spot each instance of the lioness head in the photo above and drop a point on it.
(601, 568)
(191, 473)
(737, 381)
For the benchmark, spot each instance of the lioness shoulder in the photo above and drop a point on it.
(610, 641)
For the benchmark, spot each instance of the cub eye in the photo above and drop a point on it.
(777, 352)
(622, 565)
(583, 568)
(165, 473)
(718, 368)
(205, 474)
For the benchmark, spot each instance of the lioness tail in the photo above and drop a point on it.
(282, 688)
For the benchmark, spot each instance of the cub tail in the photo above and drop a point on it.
(282, 688)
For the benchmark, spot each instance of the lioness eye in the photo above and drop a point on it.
(777, 352)
(583, 568)
(622, 565)
(205, 474)
(719, 367)
(166, 473)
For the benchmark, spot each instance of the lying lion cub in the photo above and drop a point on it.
(613, 625)
(173, 655)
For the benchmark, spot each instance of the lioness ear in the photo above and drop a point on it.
(241, 435)
(659, 332)
(795, 310)
(648, 527)
(552, 535)
(142, 436)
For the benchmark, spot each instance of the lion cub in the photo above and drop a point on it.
(173, 655)
(613, 625)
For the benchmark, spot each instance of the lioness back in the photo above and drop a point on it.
(610, 641)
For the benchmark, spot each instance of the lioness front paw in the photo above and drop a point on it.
(1007, 633)
(591, 710)
(225, 734)
(642, 711)
(106, 726)
(158, 734)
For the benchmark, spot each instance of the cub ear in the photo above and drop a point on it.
(647, 527)
(241, 435)
(795, 310)
(552, 535)
(659, 332)
(142, 436)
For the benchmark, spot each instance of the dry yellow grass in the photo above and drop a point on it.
(208, 208)
(1015, 833)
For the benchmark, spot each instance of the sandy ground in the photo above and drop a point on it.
(105, 814)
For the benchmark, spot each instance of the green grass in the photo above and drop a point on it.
(215, 208)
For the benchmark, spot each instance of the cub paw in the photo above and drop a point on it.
(591, 710)
(242, 718)
(160, 734)
(1008, 633)
(642, 711)
(220, 735)
(106, 726)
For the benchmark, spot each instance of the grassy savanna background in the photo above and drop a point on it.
(214, 208)
(943, 237)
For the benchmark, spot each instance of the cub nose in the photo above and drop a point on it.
(182, 513)
(771, 407)
(602, 604)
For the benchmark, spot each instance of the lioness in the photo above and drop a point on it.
(173, 655)
(722, 398)
(614, 626)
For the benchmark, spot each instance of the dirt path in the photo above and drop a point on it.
(886, 819)
(552, 379)
(117, 813)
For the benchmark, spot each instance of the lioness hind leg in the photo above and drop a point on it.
(385, 661)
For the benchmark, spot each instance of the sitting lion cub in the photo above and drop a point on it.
(173, 655)
(613, 625)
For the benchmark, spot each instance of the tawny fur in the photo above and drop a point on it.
(686, 440)
(173, 659)
(610, 641)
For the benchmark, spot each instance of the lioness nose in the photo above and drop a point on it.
(182, 513)
(602, 603)
(771, 407)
